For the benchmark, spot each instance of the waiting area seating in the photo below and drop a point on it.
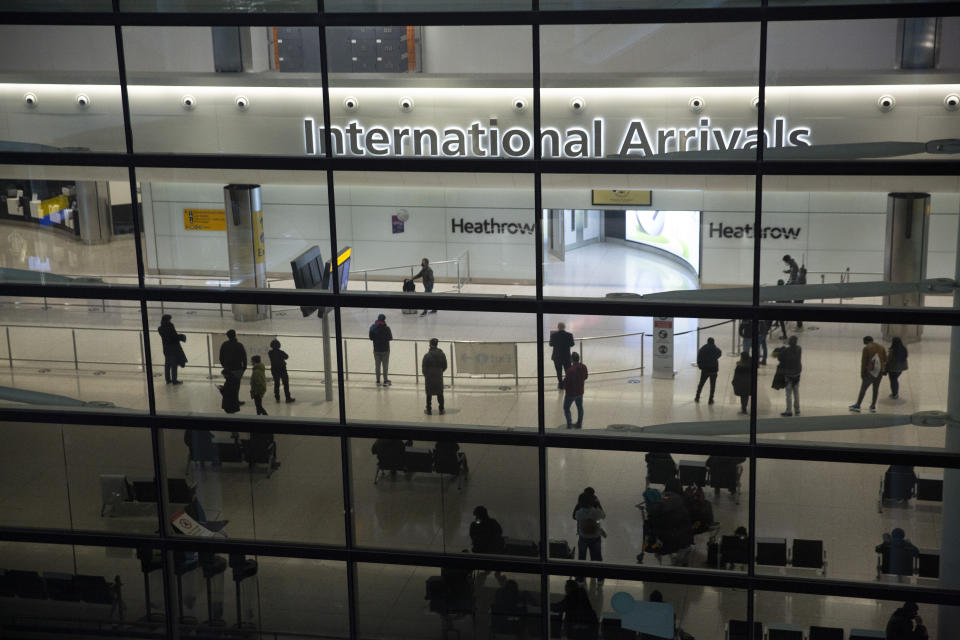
(901, 484)
(802, 554)
(123, 497)
(259, 448)
(89, 592)
(395, 455)
(908, 562)
(739, 630)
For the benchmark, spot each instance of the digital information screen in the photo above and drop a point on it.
(677, 232)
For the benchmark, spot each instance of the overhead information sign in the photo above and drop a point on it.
(618, 197)
(204, 220)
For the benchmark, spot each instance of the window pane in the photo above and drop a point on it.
(670, 533)
(189, 240)
(63, 590)
(897, 527)
(67, 225)
(885, 99)
(663, 91)
(205, 367)
(61, 354)
(425, 495)
(218, 6)
(45, 109)
(609, 235)
(187, 95)
(247, 485)
(426, 92)
(377, 6)
(846, 231)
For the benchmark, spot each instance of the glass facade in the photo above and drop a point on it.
(387, 318)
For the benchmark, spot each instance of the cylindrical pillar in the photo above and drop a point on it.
(94, 214)
(905, 255)
(245, 245)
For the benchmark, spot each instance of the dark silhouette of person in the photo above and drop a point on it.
(485, 532)
(173, 355)
(233, 359)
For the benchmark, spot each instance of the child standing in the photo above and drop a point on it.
(258, 384)
(278, 369)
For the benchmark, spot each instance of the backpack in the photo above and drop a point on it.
(589, 527)
(651, 496)
(875, 366)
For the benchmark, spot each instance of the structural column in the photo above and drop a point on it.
(95, 215)
(905, 255)
(245, 245)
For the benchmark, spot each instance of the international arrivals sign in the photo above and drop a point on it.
(488, 140)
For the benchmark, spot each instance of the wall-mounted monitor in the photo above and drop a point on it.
(309, 273)
(676, 232)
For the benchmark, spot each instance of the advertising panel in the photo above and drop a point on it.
(677, 232)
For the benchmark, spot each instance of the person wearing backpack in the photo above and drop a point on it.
(873, 362)
(589, 532)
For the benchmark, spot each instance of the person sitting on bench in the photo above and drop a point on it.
(448, 458)
(897, 553)
(485, 532)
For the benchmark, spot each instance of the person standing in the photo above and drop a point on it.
(790, 367)
(562, 342)
(278, 370)
(233, 359)
(794, 276)
(708, 362)
(486, 534)
(432, 366)
(258, 384)
(741, 381)
(573, 385)
(873, 362)
(896, 364)
(426, 273)
(589, 532)
(746, 335)
(173, 355)
(381, 336)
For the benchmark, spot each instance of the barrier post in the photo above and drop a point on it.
(416, 366)
(452, 383)
(516, 362)
(642, 336)
(458, 277)
(823, 280)
(209, 358)
(346, 361)
(733, 338)
(366, 283)
(45, 303)
(9, 349)
(581, 353)
(76, 363)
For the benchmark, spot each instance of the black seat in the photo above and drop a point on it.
(27, 584)
(740, 630)
(60, 586)
(826, 633)
(899, 483)
(261, 448)
(95, 589)
(724, 472)
(448, 459)
(7, 587)
(390, 456)
(807, 554)
(734, 550)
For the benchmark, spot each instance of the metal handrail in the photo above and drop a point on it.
(465, 257)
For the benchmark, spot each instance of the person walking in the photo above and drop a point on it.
(233, 359)
(873, 362)
(381, 336)
(426, 273)
(741, 381)
(589, 532)
(562, 342)
(432, 366)
(707, 361)
(790, 367)
(795, 275)
(278, 370)
(573, 385)
(896, 364)
(258, 384)
(173, 355)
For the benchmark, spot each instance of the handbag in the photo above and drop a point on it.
(779, 380)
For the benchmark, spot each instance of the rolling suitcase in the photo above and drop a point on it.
(409, 287)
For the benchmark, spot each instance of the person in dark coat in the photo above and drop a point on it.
(669, 519)
(896, 364)
(906, 624)
(579, 618)
(741, 381)
(432, 366)
(790, 366)
(426, 274)
(562, 342)
(573, 384)
(746, 334)
(381, 336)
(485, 532)
(781, 323)
(708, 362)
(278, 370)
(173, 355)
(899, 550)
(233, 359)
(794, 277)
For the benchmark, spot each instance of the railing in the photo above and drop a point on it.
(94, 348)
(462, 275)
(843, 277)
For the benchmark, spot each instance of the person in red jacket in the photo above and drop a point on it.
(573, 385)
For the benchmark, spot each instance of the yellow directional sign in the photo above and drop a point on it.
(204, 220)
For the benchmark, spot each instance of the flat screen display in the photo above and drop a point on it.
(677, 232)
